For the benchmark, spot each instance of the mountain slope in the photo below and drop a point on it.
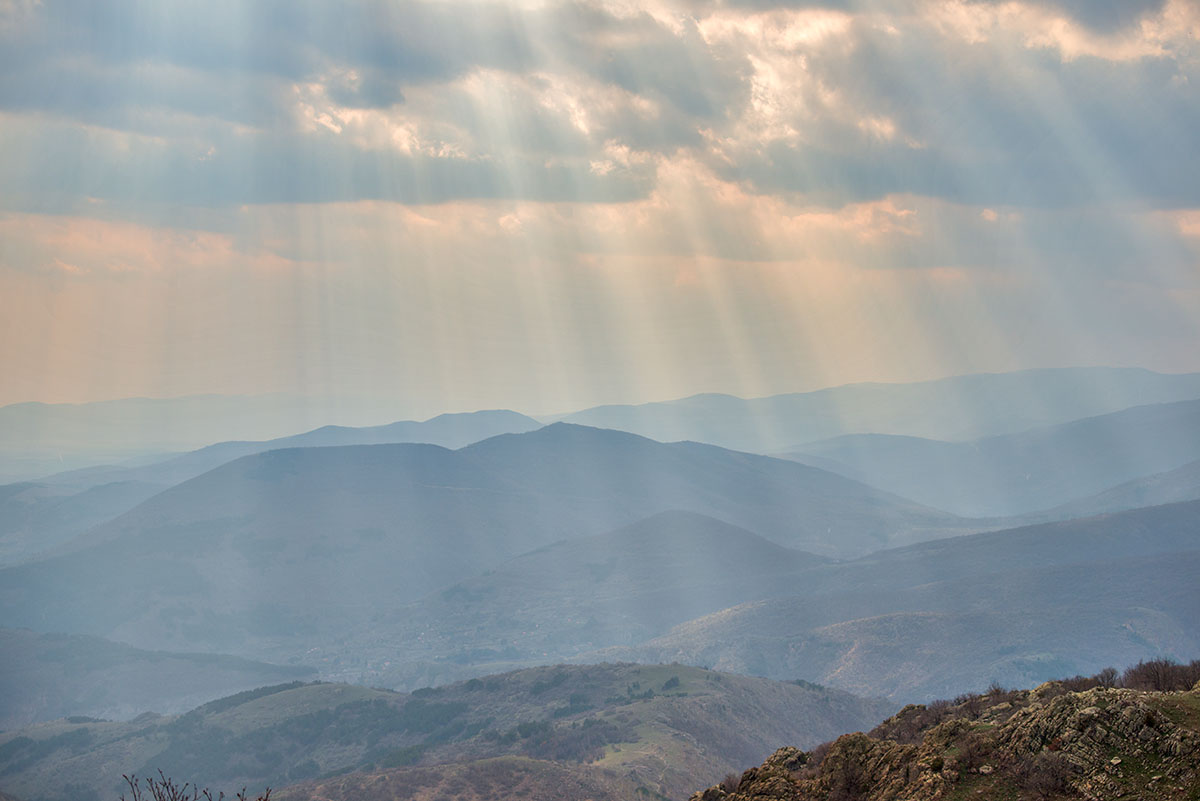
(37, 517)
(1097, 744)
(812, 510)
(1020, 473)
(1171, 486)
(656, 727)
(1016, 606)
(962, 407)
(219, 559)
(621, 587)
(47, 676)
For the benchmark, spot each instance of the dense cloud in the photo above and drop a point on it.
(422, 102)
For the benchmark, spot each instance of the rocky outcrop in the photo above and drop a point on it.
(1100, 744)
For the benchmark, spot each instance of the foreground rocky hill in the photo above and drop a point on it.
(1100, 743)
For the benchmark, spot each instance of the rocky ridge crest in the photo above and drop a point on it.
(1099, 744)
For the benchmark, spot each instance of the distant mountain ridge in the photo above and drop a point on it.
(447, 430)
(36, 517)
(956, 408)
(37, 439)
(365, 528)
(1026, 472)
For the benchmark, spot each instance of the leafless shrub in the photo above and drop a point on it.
(1047, 774)
(1162, 675)
(164, 789)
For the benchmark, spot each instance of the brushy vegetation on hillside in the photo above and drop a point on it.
(1109, 736)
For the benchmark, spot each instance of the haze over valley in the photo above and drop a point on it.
(578, 400)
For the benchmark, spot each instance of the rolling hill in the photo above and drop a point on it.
(933, 619)
(1134, 572)
(275, 553)
(37, 517)
(1015, 474)
(659, 728)
(621, 587)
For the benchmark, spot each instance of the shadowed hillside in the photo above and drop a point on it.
(1171, 486)
(37, 517)
(220, 558)
(1016, 606)
(632, 726)
(617, 588)
(47, 676)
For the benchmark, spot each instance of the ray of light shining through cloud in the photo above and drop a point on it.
(551, 205)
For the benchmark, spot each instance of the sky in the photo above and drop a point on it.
(547, 206)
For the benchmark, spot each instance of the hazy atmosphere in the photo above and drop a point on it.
(439, 400)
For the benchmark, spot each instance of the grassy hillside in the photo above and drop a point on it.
(657, 727)
(47, 676)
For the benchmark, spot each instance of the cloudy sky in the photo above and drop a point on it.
(549, 205)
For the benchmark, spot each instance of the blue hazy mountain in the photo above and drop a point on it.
(1020, 473)
(958, 408)
(37, 439)
(447, 430)
(37, 517)
(944, 617)
(277, 548)
(616, 588)
(1171, 486)
(48, 676)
